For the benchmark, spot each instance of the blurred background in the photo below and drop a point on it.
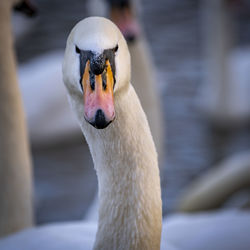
(201, 62)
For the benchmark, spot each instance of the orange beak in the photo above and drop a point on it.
(99, 108)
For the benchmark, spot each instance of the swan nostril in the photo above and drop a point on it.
(92, 80)
(104, 80)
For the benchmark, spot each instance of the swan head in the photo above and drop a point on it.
(96, 66)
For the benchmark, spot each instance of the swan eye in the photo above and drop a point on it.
(116, 48)
(77, 50)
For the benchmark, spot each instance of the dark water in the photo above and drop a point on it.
(64, 179)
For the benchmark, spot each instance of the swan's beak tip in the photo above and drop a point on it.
(100, 120)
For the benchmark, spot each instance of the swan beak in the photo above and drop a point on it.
(99, 108)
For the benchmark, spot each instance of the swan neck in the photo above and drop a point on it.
(128, 177)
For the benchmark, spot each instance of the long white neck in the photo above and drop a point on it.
(125, 160)
(15, 165)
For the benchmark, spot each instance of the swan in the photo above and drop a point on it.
(214, 187)
(125, 159)
(22, 24)
(123, 151)
(224, 95)
(15, 163)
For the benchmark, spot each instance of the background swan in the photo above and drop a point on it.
(49, 117)
(15, 169)
(224, 95)
(214, 187)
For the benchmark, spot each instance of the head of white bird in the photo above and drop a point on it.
(96, 66)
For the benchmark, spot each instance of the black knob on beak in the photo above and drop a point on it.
(100, 121)
(97, 64)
